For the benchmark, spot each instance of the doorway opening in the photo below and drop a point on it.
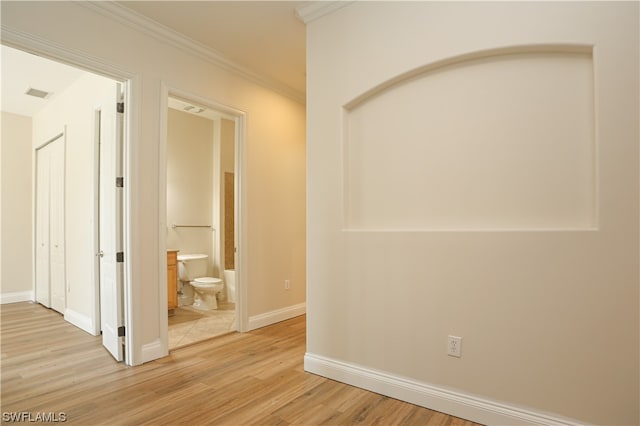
(70, 175)
(202, 200)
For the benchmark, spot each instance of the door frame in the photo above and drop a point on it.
(96, 321)
(132, 87)
(240, 225)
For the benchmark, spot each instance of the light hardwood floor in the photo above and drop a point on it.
(257, 378)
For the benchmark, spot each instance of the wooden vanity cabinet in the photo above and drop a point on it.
(172, 280)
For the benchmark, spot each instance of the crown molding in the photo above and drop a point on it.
(174, 38)
(45, 48)
(317, 9)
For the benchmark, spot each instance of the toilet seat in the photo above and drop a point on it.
(206, 281)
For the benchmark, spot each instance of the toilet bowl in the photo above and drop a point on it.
(205, 290)
(191, 271)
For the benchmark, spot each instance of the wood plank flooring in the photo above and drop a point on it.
(256, 378)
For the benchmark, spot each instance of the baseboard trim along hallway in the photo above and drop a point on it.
(81, 321)
(16, 296)
(272, 317)
(448, 401)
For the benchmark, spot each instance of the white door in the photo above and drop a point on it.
(57, 225)
(42, 227)
(111, 270)
(50, 241)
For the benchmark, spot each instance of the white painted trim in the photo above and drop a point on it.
(133, 321)
(452, 402)
(163, 285)
(81, 321)
(46, 48)
(95, 289)
(312, 10)
(169, 36)
(460, 59)
(272, 317)
(16, 296)
(241, 224)
(153, 350)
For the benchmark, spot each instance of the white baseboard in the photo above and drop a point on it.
(153, 350)
(278, 315)
(81, 321)
(16, 296)
(455, 403)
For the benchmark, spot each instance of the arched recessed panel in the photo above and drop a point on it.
(499, 142)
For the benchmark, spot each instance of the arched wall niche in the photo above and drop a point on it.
(494, 140)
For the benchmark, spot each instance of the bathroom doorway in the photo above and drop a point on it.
(201, 220)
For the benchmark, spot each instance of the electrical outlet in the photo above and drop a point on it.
(454, 346)
(287, 284)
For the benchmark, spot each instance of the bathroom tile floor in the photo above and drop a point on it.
(189, 325)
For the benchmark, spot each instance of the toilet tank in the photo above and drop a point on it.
(192, 266)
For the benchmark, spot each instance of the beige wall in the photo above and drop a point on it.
(190, 183)
(277, 208)
(273, 157)
(416, 223)
(17, 242)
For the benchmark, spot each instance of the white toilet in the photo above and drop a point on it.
(192, 268)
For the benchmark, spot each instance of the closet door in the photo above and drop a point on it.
(42, 227)
(56, 225)
(50, 231)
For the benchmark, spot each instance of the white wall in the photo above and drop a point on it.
(493, 196)
(74, 111)
(190, 183)
(274, 156)
(17, 244)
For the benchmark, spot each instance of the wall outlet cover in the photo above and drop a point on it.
(454, 346)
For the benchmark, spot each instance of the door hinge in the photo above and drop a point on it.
(120, 257)
(120, 107)
(121, 331)
(119, 182)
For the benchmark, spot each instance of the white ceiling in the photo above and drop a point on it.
(21, 71)
(264, 37)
